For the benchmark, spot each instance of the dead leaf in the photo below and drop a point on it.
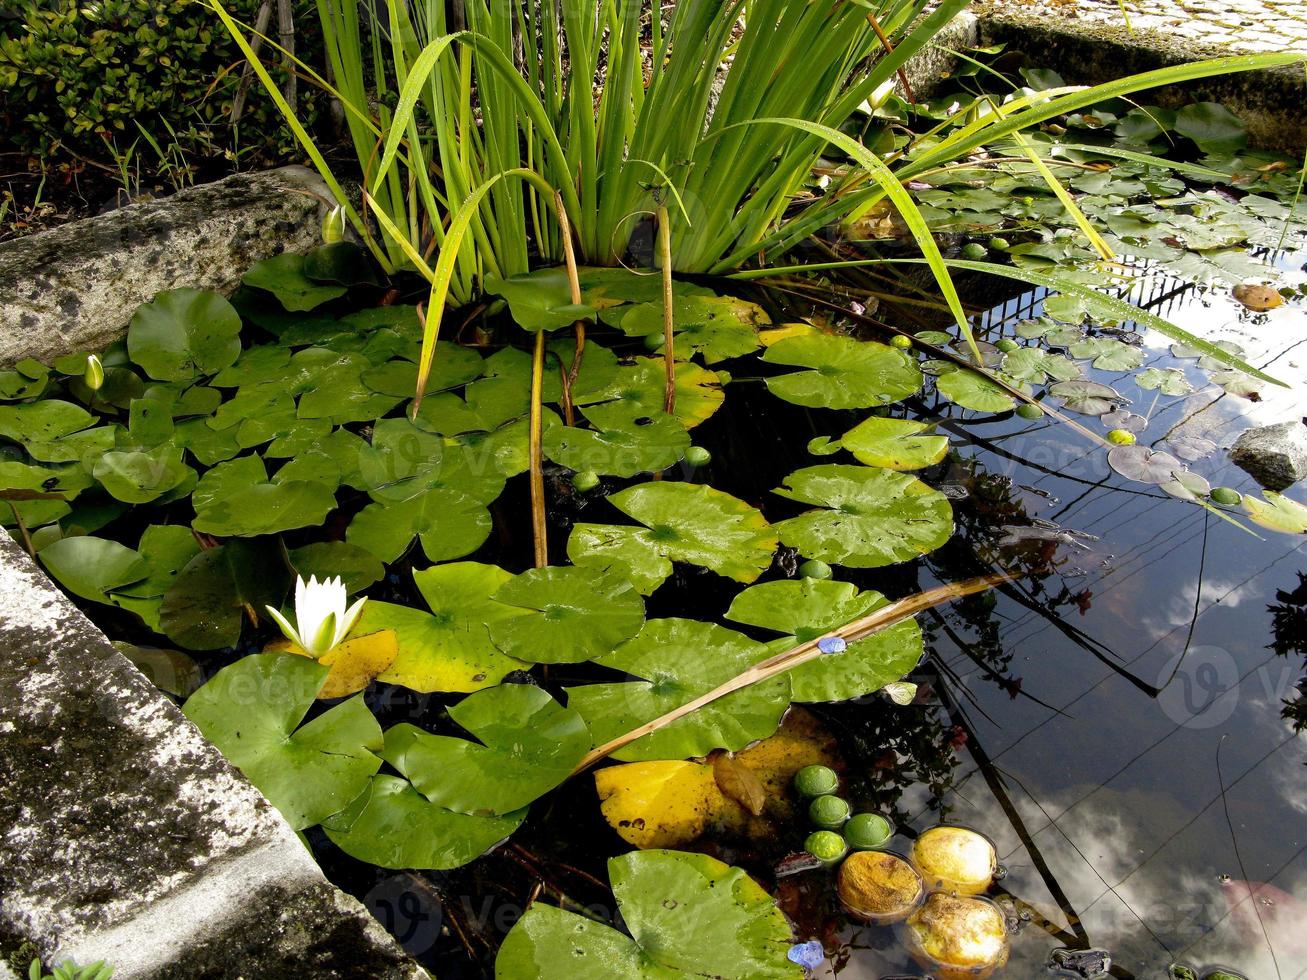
(738, 781)
(354, 664)
(1258, 298)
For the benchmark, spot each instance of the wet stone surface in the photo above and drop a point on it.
(125, 836)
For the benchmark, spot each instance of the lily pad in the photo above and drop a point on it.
(449, 523)
(1087, 397)
(284, 276)
(973, 390)
(1108, 354)
(542, 300)
(810, 608)
(896, 444)
(207, 603)
(139, 477)
(688, 915)
(677, 660)
(1169, 381)
(43, 421)
(1034, 366)
(717, 327)
(236, 499)
(1277, 512)
(183, 333)
(626, 551)
(529, 744)
(1212, 126)
(392, 825)
(166, 549)
(356, 567)
(90, 567)
(845, 373)
(567, 615)
(1143, 464)
(252, 711)
(449, 648)
(640, 390)
(353, 663)
(870, 517)
(619, 447)
(689, 523)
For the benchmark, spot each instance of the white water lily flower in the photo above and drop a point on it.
(321, 619)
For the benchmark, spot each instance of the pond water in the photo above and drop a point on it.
(1119, 719)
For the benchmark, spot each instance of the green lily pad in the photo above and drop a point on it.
(871, 517)
(452, 366)
(529, 744)
(677, 660)
(65, 480)
(206, 604)
(42, 421)
(322, 560)
(542, 300)
(252, 711)
(166, 550)
(567, 615)
(718, 327)
(1086, 397)
(207, 444)
(284, 276)
(1277, 512)
(405, 461)
(689, 915)
(1169, 381)
(846, 373)
(392, 825)
(1108, 354)
(810, 608)
(619, 447)
(339, 393)
(1034, 366)
(236, 499)
(90, 567)
(973, 390)
(896, 444)
(449, 524)
(183, 333)
(640, 390)
(449, 648)
(1212, 126)
(139, 477)
(15, 385)
(625, 551)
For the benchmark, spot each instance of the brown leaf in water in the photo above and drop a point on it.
(1258, 298)
(738, 781)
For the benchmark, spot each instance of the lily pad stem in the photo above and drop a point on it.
(574, 285)
(538, 530)
(669, 353)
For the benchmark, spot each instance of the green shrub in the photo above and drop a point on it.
(81, 76)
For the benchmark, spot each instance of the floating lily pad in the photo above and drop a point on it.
(43, 421)
(619, 447)
(184, 333)
(208, 602)
(845, 373)
(684, 522)
(448, 648)
(542, 300)
(1143, 464)
(896, 444)
(284, 276)
(236, 499)
(339, 393)
(166, 550)
(688, 915)
(1034, 366)
(677, 660)
(1108, 354)
(1169, 381)
(308, 772)
(529, 744)
(810, 608)
(626, 551)
(640, 390)
(449, 524)
(89, 567)
(452, 366)
(717, 327)
(139, 477)
(567, 615)
(1277, 512)
(875, 517)
(1212, 126)
(973, 390)
(322, 560)
(353, 663)
(1087, 397)
(392, 825)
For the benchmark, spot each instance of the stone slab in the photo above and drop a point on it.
(126, 837)
(75, 287)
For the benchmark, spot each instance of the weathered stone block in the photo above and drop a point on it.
(1273, 455)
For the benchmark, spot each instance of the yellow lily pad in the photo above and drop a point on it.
(354, 663)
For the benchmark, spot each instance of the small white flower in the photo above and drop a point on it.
(321, 619)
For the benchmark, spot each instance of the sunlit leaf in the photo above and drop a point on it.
(1277, 512)
(844, 372)
(184, 332)
(565, 615)
(896, 444)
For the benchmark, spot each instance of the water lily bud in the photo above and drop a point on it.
(816, 781)
(1226, 497)
(815, 568)
(1001, 244)
(867, 831)
(974, 251)
(698, 456)
(828, 812)
(1028, 411)
(879, 887)
(826, 846)
(586, 480)
(957, 937)
(955, 859)
(901, 342)
(1121, 437)
(1007, 345)
(333, 225)
(93, 375)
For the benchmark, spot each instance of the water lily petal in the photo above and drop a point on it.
(322, 639)
(349, 619)
(287, 629)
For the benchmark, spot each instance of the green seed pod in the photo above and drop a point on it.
(816, 781)
(93, 375)
(1226, 497)
(586, 480)
(653, 341)
(867, 831)
(1007, 345)
(828, 812)
(901, 342)
(815, 568)
(698, 456)
(1001, 244)
(826, 846)
(1121, 437)
(974, 251)
(333, 226)
(1029, 411)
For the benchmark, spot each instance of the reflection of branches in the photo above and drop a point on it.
(1289, 629)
